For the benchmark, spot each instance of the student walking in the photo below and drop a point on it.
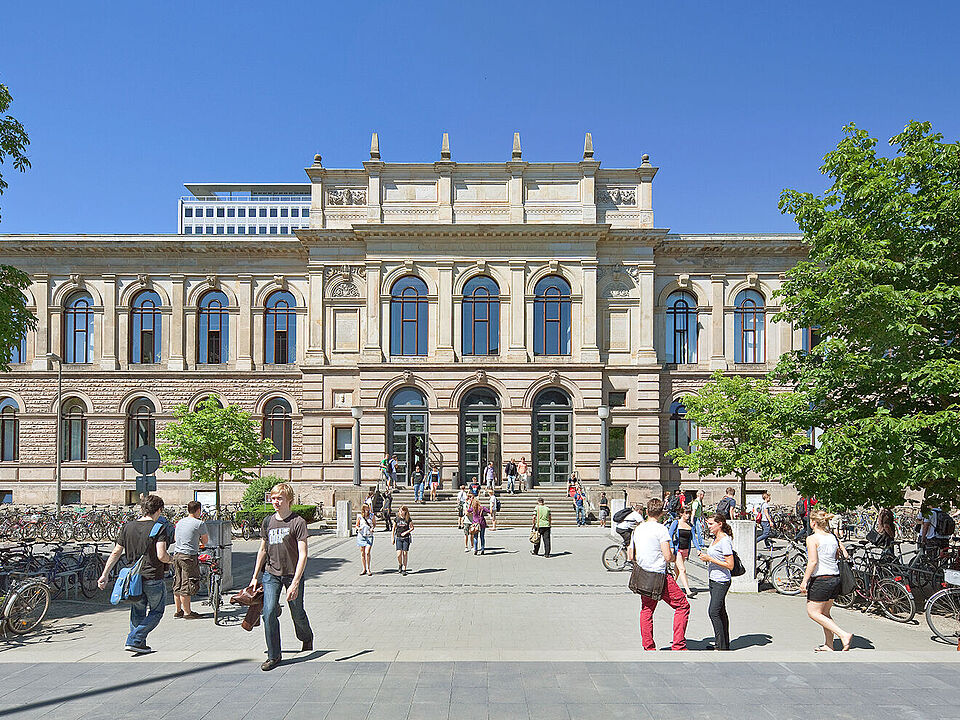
(189, 536)
(604, 507)
(727, 507)
(434, 483)
(766, 522)
(681, 537)
(385, 471)
(490, 475)
(387, 508)
(366, 523)
(147, 537)
(478, 520)
(524, 471)
(821, 579)
(578, 506)
(650, 548)
(719, 558)
(461, 506)
(510, 470)
(541, 523)
(697, 521)
(418, 485)
(493, 505)
(283, 558)
(402, 535)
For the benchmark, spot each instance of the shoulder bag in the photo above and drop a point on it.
(738, 568)
(129, 582)
(848, 581)
(646, 583)
(534, 535)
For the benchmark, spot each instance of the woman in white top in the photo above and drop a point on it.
(821, 580)
(364, 527)
(719, 558)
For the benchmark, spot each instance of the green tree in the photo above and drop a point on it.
(13, 138)
(882, 286)
(213, 442)
(743, 426)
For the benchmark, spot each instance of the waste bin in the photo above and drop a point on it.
(221, 536)
(455, 480)
(528, 481)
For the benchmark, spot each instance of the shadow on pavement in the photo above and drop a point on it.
(752, 640)
(48, 634)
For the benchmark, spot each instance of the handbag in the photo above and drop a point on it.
(848, 580)
(534, 536)
(129, 582)
(646, 583)
(738, 568)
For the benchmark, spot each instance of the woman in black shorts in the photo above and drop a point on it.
(821, 580)
(682, 538)
(402, 531)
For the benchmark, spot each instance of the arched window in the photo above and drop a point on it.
(681, 328)
(213, 329)
(141, 425)
(73, 430)
(145, 328)
(551, 317)
(748, 327)
(78, 328)
(280, 327)
(480, 432)
(810, 338)
(481, 316)
(408, 317)
(18, 353)
(552, 436)
(407, 429)
(198, 403)
(9, 430)
(682, 430)
(278, 426)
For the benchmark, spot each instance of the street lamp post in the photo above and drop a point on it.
(357, 413)
(603, 412)
(56, 358)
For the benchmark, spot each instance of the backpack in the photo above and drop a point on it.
(944, 525)
(674, 505)
(801, 508)
(620, 515)
(497, 504)
(129, 582)
(723, 507)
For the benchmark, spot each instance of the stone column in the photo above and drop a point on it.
(244, 332)
(374, 208)
(515, 191)
(445, 312)
(372, 351)
(315, 311)
(108, 331)
(517, 349)
(644, 275)
(41, 292)
(445, 190)
(589, 348)
(177, 358)
(718, 360)
(588, 192)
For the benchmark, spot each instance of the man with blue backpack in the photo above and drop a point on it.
(143, 543)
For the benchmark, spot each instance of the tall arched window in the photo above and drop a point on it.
(145, 328)
(280, 328)
(141, 425)
(408, 317)
(552, 436)
(73, 430)
(551, 317)
(481, 316)
(681, 340)
(407, 431)
(682, 430)
(748, 327)
(9, 430)
(278, 426)
(213, 329)
(78, 328)
(18, 353)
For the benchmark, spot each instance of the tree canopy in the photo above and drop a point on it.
(882, 286)
(213, 442)
(13, 138)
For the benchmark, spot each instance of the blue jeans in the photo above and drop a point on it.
(418, 492)
(581, 516)
(146, 611)
(511, 483)
(272, 587)
(697, 534)
(481, 538)
(765, 531)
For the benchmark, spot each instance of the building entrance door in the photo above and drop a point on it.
(480, 434)
(407, 432)
(553, 437)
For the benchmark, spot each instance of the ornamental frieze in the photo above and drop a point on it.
(617, 196)
(344, 271)
(347, 196)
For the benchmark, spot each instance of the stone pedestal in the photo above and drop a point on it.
(344, 524)
(745, 545)
(616, 504)
(221, 537)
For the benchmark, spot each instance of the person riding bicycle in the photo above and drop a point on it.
(626, 524)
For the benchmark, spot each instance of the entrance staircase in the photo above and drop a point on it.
(515, 510)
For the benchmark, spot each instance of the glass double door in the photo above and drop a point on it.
(408, 443)
(554, 439)
(481, 443)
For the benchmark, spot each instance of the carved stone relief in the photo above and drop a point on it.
(346, 290)
(345, 271)
(617, 196)
(347, 196)
(631, 271)
(616, 290)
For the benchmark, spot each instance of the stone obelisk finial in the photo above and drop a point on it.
(588, 147)
(374, 147)
(517, 153)
(445, 147)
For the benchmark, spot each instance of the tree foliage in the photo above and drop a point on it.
(213, 442)
(882, 284)
(13, 138)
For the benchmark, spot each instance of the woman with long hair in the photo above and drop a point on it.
(821, 580)
(681, 534)
(402, 531)
(719, 558)
(366, 522)
(478, 525)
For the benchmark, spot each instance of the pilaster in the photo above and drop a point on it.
(516, 349)
(244, 331)
(42, 343)
(718, 360)
(515, 191)
(445, 312)
(588, 190)
(589, 347)
(108, 335)
(315, 311)
(445, 190)
(646, 353)
(177, 357)
(372, 352)
(374, 206)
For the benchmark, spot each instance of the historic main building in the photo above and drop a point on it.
(474, 312)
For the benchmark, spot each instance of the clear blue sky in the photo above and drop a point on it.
(734, 100)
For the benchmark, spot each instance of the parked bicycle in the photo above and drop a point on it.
(784, 570)
(211, 563)
(880, 584)
(24, 606)
(942, 610)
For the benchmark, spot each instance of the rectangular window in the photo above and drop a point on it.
(617, 442)
(6, 497)
(263, 212)
(343, 443)
(220, 229)
(263, 230)
(241, 212)
(284, 230)
(273, 212)
(284, 212)
(213, 347)
(70, 497)
(231, 212)
(231, 229)
(295, 212)
(219, 212)
(273, 229)
(209, 230)
(616, 398)
(197, 230)
(188, 230)
(241, 230)
(188, 212)
(146, 346)
(209, 212)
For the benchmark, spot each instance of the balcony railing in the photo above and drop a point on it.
(246, 199)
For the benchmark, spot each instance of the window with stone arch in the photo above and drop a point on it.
(749, 324)
(9, 429)
(481, 316)
(683, 431)
(551, 316)
(73, 430)
(278, 427)
(408, 317)
(280, 328)
(213, 329)
(145, 328)
(141, 424)
(682, 330)
(78, 328)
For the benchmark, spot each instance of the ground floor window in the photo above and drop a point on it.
(552, 436)
(617, 442)
(342, 443)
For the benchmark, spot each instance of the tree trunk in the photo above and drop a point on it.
(216, 510)
(743, 495)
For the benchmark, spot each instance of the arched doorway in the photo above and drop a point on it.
(552, 436)
(407, 431)
(479, 433)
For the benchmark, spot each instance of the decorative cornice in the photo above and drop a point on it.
(733, 244)
(114, 245)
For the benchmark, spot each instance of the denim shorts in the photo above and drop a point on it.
(363, 541)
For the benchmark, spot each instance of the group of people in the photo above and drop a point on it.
(401, 533)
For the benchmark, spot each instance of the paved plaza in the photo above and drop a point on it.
(503, 635)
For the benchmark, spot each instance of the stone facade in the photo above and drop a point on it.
(444, 223)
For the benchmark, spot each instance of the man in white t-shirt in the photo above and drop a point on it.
(650, 548)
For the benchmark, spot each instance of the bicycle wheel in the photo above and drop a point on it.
(27, 607)
(89, 574)
(943, 615)
(895, 600)
(614, 558)
(787, 576)
(49, 532)
(215, 596)
(246, 532)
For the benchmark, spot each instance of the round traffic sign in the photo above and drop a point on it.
(145, 459)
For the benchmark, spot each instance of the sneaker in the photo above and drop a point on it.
(192, 616)
(138, 649)
(466, 549)
(269, 665)
(178, 614)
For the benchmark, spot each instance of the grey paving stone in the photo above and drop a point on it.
(430, 711)
(308, 711)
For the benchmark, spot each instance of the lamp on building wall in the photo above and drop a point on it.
(603, 412)
(56, 358)
(357, 412)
